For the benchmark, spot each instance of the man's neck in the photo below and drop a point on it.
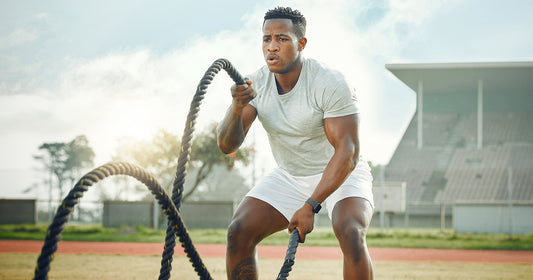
(287, 81)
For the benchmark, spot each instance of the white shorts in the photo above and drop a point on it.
(287, 193)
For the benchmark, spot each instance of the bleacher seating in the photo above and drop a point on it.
(475, 175)
(471, 174)
(525, 127)
(499, 127)
(437, 128)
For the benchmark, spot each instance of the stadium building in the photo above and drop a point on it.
(467, 154)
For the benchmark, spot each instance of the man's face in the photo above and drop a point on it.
(281, 47)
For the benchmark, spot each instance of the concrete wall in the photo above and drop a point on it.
(204, 214)
(18, 211)
(130, 213)
(416, 216)
(389, 196)
(207, 214)
(493, 218)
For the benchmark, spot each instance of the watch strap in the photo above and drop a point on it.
(316, 206)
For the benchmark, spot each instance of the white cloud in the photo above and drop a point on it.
(132, 93)
(17, 37)
(137, 92)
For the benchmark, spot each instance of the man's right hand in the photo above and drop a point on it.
(242, 95)
(232, 130)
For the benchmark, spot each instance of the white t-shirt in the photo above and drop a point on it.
(294, 121)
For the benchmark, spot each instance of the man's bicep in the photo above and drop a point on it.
(342, 130)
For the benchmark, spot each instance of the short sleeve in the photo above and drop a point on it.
(340, 101)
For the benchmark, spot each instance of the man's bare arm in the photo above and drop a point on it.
(342, 133)
(232, 130)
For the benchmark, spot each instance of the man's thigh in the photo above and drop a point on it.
(354, 211)
(259, 217)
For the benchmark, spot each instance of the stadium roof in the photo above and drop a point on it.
(450, 78)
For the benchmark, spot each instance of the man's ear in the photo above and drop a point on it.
(301, 44)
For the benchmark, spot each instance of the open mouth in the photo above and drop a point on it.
(272, 59)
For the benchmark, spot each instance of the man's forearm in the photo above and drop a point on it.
(338, 169)
(230, 132)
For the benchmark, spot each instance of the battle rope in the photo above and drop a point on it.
(171, 207)
(53, 235)
(186, 143)
(289, 256)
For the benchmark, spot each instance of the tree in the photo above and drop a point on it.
(51, 160)
(79, 156)
(160, 156)
(222, 185)
(205, 155)
(157, 155)
(64, 161)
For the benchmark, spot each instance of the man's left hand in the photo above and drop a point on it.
(304, 220)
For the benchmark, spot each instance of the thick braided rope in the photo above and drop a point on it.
(186, 143)
(55, 229)
(289, 256)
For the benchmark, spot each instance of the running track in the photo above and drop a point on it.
(276, 252)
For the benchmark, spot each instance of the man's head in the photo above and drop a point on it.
(283, 39)
(298, 20)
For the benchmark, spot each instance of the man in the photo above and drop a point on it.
(311, 118)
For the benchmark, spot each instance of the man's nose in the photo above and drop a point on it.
(273, 46)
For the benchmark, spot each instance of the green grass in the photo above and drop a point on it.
(396, 237)
(447, 239)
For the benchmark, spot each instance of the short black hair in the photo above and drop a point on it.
(298, 20)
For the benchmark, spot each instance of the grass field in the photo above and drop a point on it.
(397, 237)
(20, 266)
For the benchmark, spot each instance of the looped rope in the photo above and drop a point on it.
(57, 226)
(170, 206)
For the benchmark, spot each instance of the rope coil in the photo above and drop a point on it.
(171, 206)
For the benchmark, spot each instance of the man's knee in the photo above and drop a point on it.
(235, 235)
(241, 236)
(234, 229)
(350, 230)
(352, 238)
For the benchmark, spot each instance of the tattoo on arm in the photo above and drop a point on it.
(245, 270)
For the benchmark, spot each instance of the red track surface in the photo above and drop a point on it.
(276, 252)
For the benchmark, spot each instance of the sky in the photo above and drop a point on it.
(109, 69)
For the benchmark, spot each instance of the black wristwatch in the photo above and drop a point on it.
(316, 206)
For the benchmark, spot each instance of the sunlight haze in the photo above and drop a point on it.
(130, 68)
